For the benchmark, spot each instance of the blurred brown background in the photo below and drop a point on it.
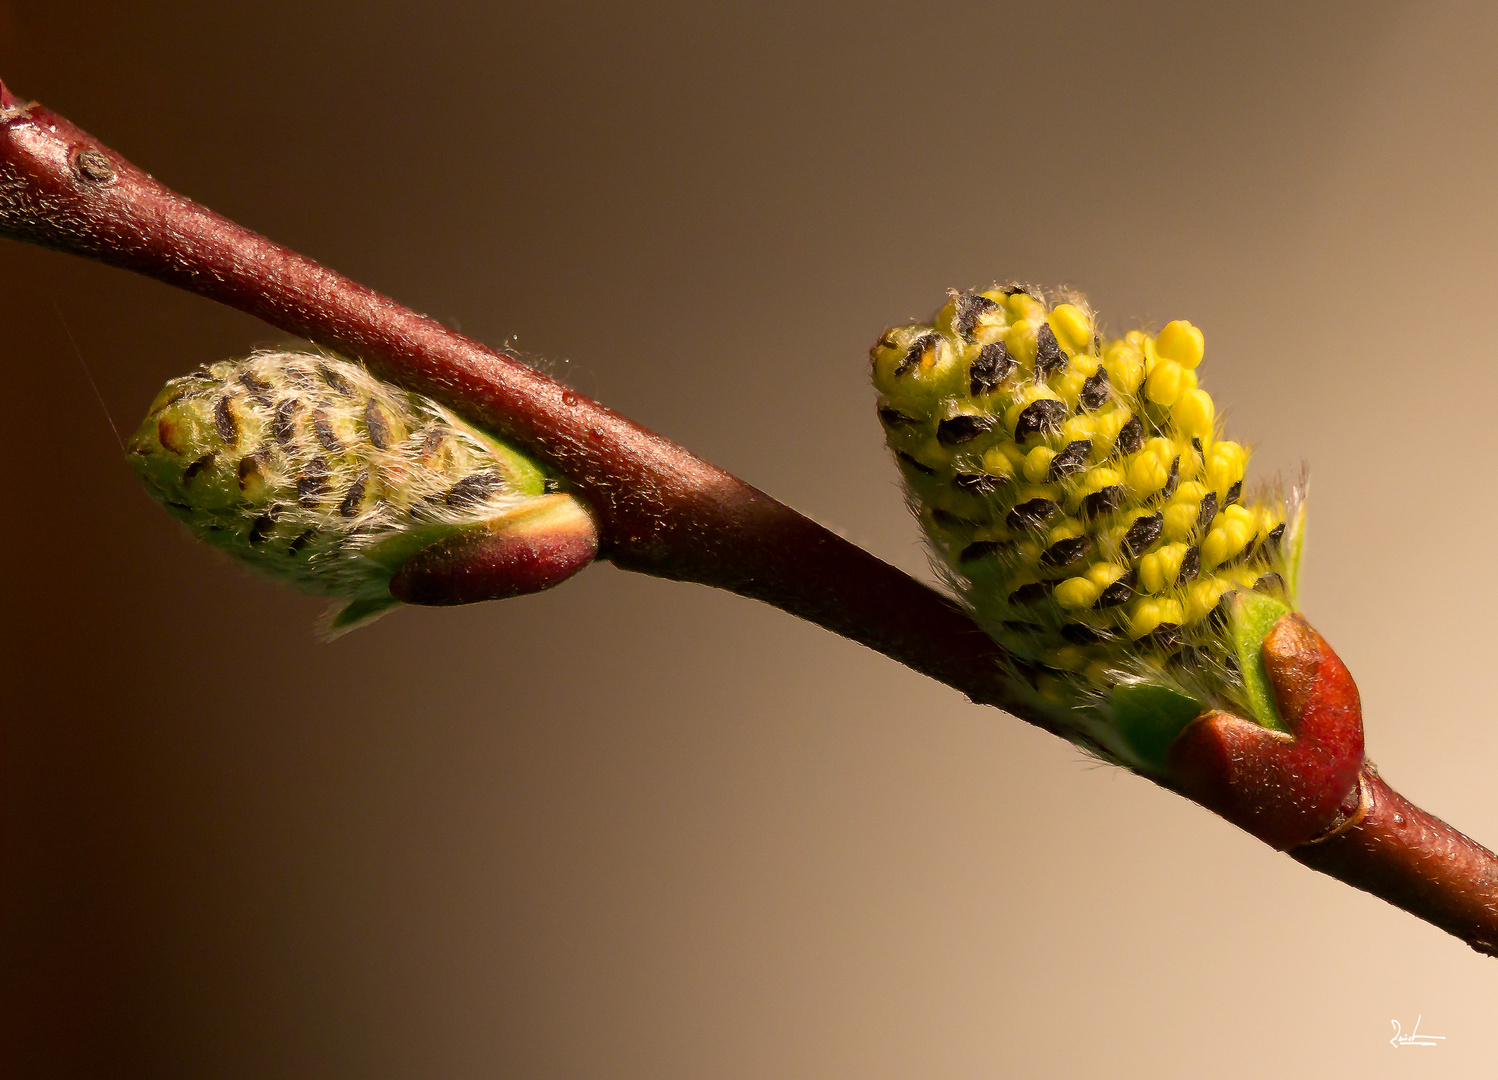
(640, 829)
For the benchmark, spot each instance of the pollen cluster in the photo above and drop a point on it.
(312, 470)
(1078, 493)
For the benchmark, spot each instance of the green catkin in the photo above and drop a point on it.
(310, 469)
(1080, 498)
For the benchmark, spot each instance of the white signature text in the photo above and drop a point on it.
(1414, 1038)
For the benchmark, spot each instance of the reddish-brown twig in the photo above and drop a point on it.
(664, 511)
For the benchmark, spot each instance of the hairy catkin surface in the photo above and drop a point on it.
(1079, 496)
(310, 469)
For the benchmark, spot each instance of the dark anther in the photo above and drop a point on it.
(979, 483)
(1120, 592)
(474, 489)
(295, 373)
(1233, 493)
(432, 443)
(189, 473)
(1221, 615)
(335, 380)
(971, 307)
(1269, 547)
(1207, 514)
(1015, 287)
(1094, 391)
(94, 167)
(1171, 481)
(1032, 593)
(312, 483)
(1190, 658)
(989, 370)
(961, 429)
(351, 502)
(1066, 552)
(1196, 444)
(1072, 459)
(1049, 358)
(260, 528)
(1082, 634)
(259, 389)
(1270, 583)
(924, 470)
(1144, 532)
(1191, 564)
(223, 420)
(1104, 501)
(913, 354)
(1039, 417)
(322, 427)
(282, 424)
(890, 417)
(301, 541)
(1031, 515)
(250, 470)
(980, 549)
(378, 426)
(1130, 437)
(1165, 636)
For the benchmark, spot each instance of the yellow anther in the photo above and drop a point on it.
(1181, 342)
(1149, 469)
(1150, 614)
(1019, 339)
(1151, 358)
(1024, 306)
(1038, 464)
(1191, 462)
(1165, 383)
(1215, 547)
(1069, 387)
(1098, 478)
(1202, 597)
(1103, 574)
(1076, 593)
(1170, 557)
(1125, 365)
(1194, 414)
(996, 460)
(1224, 466)
(1066, 529)
(1224, 542)
(1151, 574)
(1240, 514)
(1180, 518)
(1072, 327)
(1079, 427)
(1027, 551)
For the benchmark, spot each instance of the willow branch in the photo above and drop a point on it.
(662, 510)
